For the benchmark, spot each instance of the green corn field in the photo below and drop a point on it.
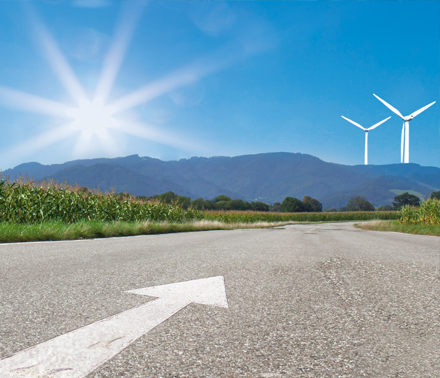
(29, 203)
(250, 217)
(428, 213)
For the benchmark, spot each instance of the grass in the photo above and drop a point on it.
(395, 226)
(57, 230)
(254, 216)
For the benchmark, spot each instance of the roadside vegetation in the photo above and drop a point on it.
(395, 226)
(249, 217)
(31, 210)
(413, 217)
(57, 230)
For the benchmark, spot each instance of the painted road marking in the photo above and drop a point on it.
(312, 229)
(76, 354)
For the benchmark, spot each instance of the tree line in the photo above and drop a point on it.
(222, 202)
(289, 204)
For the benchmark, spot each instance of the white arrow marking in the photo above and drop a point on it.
(78, 353)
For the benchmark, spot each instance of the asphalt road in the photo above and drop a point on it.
(324, 300)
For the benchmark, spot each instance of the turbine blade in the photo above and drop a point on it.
(394, 110)
(402, 140)
(354, 123)
(417, 112)
(378, 124)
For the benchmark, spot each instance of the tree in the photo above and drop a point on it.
(359, 203)
(197, 204)
(435, 195)
(259, 206)
(207, 205)
(384, 208)
(221, 197)
(405, 199)
(292, 205)
(276, 207)
(312, 205)
(222, 205)
(238, 204)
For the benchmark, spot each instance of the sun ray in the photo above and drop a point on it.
(40, 141)
(24, 101)
(116, 54)
(56, 59)
(93, 121)
(184, 76)
(151, 133)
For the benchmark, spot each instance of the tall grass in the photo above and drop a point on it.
(29, 203)
(428, 213)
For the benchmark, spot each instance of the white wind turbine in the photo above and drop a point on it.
(404, 139)
(366, 133)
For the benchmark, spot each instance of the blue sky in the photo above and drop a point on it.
(84, 79)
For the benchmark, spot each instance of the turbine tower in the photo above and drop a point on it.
(404, 139)
(366, 134)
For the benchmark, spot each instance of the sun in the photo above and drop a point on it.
(92, 118)
(94, 124)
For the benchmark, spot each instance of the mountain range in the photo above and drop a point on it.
(267, 177)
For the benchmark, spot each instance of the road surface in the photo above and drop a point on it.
(323, 300)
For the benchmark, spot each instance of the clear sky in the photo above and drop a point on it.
(84, 79)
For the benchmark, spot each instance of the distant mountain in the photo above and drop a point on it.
(266, 177)
(379, 190)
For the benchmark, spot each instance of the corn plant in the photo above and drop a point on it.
(27, 203)
(428, 213)
(250, 216)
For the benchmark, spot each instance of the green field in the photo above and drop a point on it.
(47, 211)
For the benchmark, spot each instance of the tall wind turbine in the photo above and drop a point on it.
(404, 139)
(366, 133)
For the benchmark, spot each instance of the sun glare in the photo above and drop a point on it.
(92, 122)
(92, 118)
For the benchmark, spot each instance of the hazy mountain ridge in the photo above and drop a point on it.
(268, 177)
